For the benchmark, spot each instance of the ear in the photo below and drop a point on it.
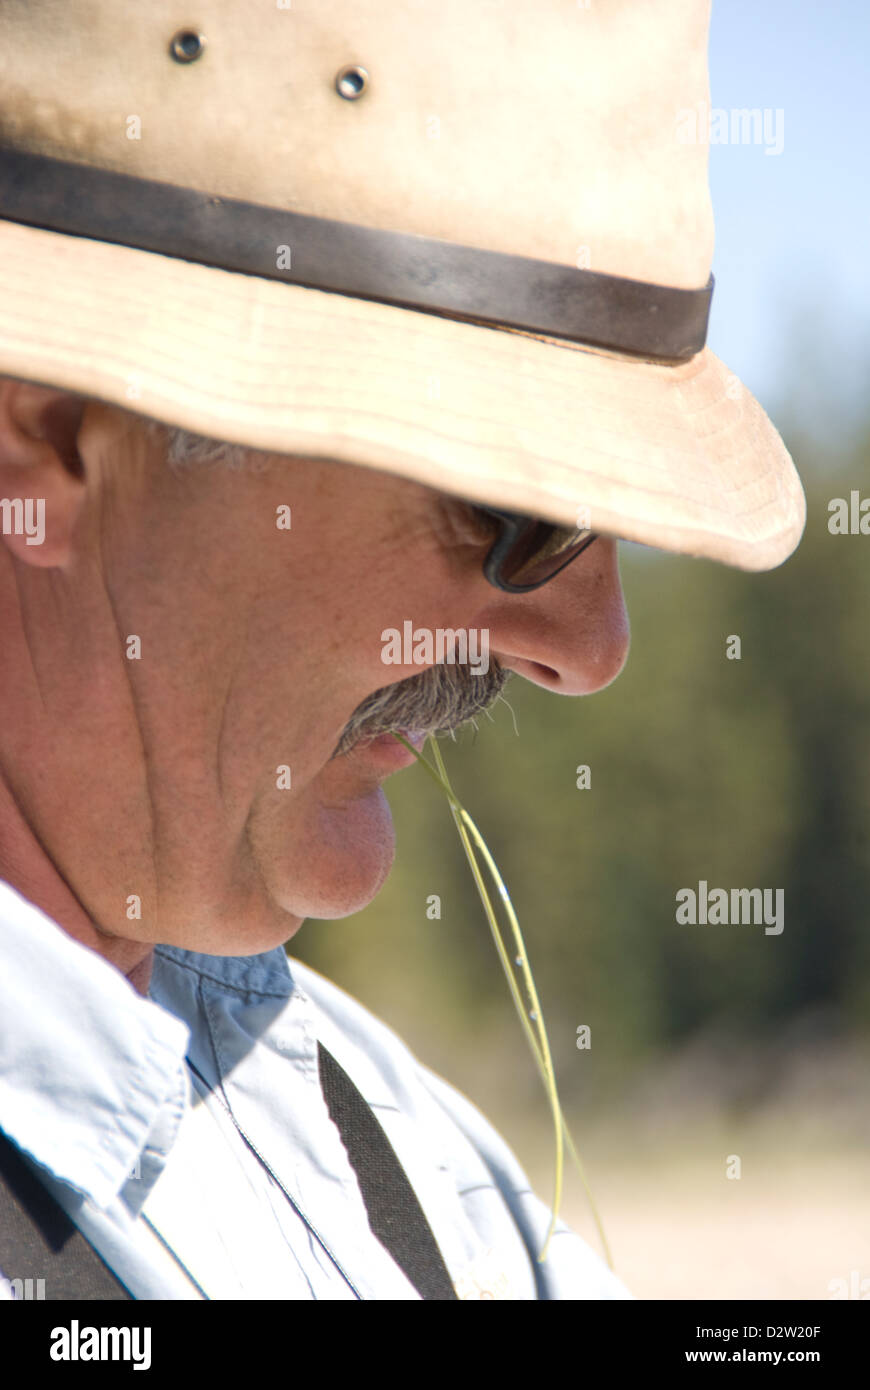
(42, 484)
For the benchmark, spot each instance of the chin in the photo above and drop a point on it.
(328, 860)
(339, 862)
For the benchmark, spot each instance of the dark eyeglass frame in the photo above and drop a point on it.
(514, 533)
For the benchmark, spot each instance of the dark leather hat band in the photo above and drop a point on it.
(413, 272)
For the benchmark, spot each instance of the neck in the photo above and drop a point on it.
(27, 866)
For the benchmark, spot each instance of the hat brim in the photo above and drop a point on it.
(678, 457)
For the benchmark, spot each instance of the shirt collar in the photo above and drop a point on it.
(89, 1069)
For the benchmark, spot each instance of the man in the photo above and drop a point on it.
(443, 292)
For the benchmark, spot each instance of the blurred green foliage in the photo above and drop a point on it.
(745, 773)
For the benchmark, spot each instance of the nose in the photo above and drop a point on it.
(570, 636)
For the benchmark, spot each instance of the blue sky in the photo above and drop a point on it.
(791, 312)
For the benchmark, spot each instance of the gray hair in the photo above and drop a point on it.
(184, 449)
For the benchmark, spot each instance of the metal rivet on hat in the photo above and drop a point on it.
(187, 46)
(351, 82)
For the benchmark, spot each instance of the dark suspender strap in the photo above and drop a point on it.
(38, 1240)
(395, 1214)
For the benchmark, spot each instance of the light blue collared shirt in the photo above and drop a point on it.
(240, 1187)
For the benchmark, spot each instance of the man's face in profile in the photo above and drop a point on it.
(223, 768)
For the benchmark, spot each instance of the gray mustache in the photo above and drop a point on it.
(439, 699)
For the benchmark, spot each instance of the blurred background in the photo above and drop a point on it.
(707, 1042)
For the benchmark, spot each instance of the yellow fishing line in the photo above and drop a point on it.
(538, 1044)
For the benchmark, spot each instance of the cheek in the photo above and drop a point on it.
(406, 591)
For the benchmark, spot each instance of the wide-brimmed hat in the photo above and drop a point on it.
(466, 243)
